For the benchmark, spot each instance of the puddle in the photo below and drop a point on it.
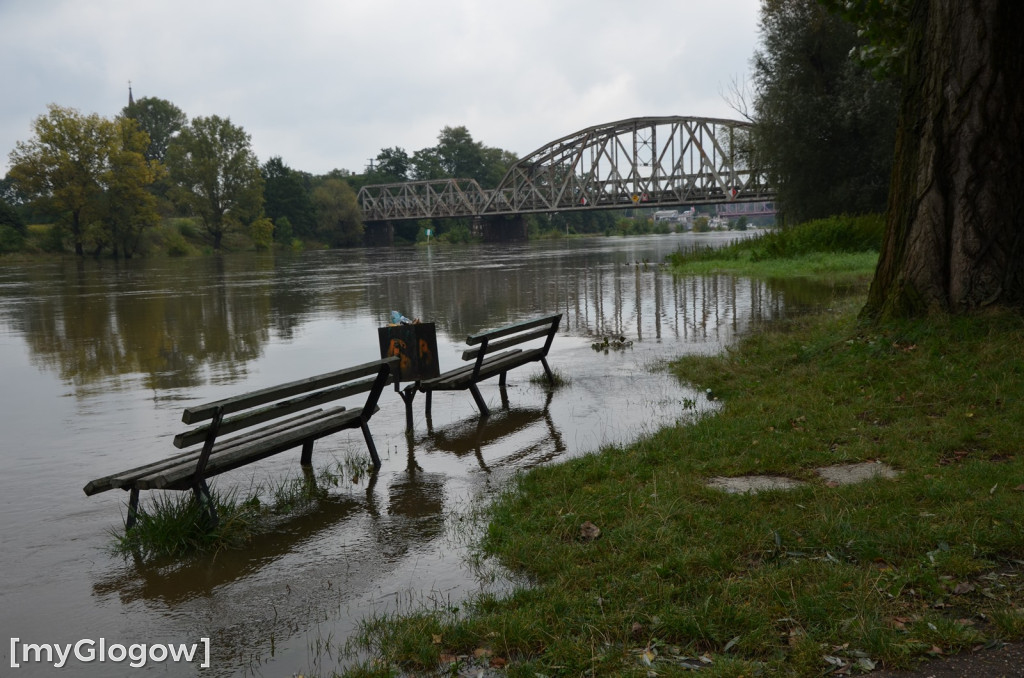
(848, 474)
(753, 484)
(838, 474)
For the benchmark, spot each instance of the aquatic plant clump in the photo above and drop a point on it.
(174, 525)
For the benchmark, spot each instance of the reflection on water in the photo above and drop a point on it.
(100, 358)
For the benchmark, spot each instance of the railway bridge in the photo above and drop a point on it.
(640, 162)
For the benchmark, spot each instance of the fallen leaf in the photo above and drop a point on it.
(481, 652)
(963, 587)
(447, 659)
(498, 662)
(436, 638)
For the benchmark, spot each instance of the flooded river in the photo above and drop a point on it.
(99, 359)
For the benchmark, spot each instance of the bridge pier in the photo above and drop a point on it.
(378, 233)
(503, 229)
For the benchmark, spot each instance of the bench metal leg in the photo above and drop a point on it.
(307, 453)
(479, 400)
(407, 394)
(202, 495)
(429, 399)
(133, 509)
(370, 445)
(547, 371)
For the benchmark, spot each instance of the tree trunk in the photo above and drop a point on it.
(955, 218)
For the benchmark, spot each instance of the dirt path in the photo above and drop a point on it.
(1004, 662)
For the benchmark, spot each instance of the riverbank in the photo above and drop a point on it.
(637, 565)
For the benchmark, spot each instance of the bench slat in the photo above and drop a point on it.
(181, 475)
(126, 478)
(475, 339)
(463, 377)
(278, 409)
(199, 413)
(468, 369)
(472, 353)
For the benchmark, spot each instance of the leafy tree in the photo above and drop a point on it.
(287, 195)
(129, 206)
(953, 224)
(426, 164)
(457, 156)
(824, 126)
(339, 221)
(81, 167)
(216, 175)
(158, 118)
(393, 166)
(9, 217)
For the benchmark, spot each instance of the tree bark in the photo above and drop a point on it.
(953, 239)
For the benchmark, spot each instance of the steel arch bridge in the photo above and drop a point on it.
(649, 162)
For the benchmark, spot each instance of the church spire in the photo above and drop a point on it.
(131, 99)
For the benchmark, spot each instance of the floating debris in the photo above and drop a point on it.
(619, 343)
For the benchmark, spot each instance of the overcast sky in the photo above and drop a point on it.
(327, 84)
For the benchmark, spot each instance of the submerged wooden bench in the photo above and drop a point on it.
(293, 418)
(494, 353)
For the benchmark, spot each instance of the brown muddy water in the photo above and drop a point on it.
(99, 359)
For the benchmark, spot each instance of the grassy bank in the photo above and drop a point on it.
(840, 247)
(799, 582)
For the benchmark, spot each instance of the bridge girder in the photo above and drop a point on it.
(651, 161)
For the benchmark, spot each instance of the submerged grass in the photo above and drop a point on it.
(173, 525)
(798, 582)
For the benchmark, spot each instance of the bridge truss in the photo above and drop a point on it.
(648, 162)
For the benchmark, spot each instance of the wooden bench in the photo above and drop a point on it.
(494, 353)
(293, 418)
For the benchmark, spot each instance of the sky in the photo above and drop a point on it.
(327, 84)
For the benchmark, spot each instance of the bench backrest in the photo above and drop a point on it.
(502, 338)
(279, 401)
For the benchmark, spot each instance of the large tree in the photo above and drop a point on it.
(77, 165)
(824, 126)
(158, 118)
(286, 194)
(216, 175)
(955, 221)
(339, 221)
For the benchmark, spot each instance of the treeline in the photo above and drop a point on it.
(150, 180)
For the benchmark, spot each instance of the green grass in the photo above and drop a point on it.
(776, 583)
(172, 525)
(837, 247)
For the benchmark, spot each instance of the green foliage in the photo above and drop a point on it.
(458, 156)
(283, 232)
(824, 126)
(339, 221)
(457, 233)
(883, 24)
(835, 235)
(10, 217)
(91, 172)
(287, 194)
(11, 240)
(160, 120)
(261, 232)
(216, 175)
